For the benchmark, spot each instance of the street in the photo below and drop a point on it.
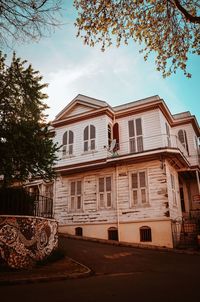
(120, 274)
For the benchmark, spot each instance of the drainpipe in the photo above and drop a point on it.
(117, 202)
(198, 181)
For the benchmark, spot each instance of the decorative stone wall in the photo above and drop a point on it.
(26, 239)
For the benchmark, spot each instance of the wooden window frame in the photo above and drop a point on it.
(136, 141)
(76, 197)
(182, 136)
(68, 143)
(89, 141)
(139, 189)
(105, 192)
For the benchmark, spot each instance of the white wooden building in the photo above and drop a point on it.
(127, 173)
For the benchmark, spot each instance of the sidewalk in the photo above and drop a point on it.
(62, 269)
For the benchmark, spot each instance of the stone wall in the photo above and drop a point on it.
(26, 239)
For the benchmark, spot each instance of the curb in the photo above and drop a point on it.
(52, 277)
(133, 245)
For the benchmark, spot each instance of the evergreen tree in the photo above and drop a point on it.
(26, 148)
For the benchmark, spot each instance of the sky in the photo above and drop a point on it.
(117, 76)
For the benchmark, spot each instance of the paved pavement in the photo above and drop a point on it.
(120, 274)
(100, 257)
(62, 269)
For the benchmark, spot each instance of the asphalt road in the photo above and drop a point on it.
(121, 274)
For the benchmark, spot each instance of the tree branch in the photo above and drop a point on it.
(188, 16)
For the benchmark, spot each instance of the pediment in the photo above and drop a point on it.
(79, 106)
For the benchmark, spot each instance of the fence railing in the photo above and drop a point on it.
(27, 204)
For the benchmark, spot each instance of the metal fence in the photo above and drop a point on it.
(19, 202)
(186, 230)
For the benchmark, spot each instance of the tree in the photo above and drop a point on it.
(24, 20)
(26, 148)
(170, 28)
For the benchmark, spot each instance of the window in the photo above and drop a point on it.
(89, 138)
(105, 192)
(113, 233)
(173, 190)
(78, 231)
(168, 135)
(76, 195)
(116, 136)
(135, 135)
(139, 188)
(68, 140)
(182, 136)
(145, 234)
(109, 135)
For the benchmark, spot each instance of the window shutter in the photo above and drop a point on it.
(186, 142)
(92, 131)
(134, 181)
(131, 128)
(181, 136)
(65, 138)
(138, 123)
(142, 179)
(73, 188)
(108, 183)
(86, 133)
(79, 187)
(116, 136)
(109, 135)
(71, 137)
(101, 184)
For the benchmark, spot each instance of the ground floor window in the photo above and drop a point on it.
(138, 183)
(145, 234)
(105, 192)
(78, 231)
(113, 234)
(76, 199)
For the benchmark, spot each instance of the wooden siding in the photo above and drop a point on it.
(157, 194)
(78, 109)
(174, 209)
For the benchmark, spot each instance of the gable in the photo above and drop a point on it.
(80, 105)
(77, 110)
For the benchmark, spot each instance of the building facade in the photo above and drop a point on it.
(127, 173)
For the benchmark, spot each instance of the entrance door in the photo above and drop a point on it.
(182, 200)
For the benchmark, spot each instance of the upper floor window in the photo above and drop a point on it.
(105, 192)
(116, 136)
(139, 188)
(135, 135)
(89, 138)
(68, 140)
(109, 135)
(168, 135)
(76, 199)
(182, 136)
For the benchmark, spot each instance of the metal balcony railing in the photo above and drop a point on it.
(141, 144)
(26, 204)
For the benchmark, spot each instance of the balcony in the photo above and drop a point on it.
(142, 145)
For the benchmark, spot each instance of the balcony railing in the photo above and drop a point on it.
(151, 143)
(26, 204)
